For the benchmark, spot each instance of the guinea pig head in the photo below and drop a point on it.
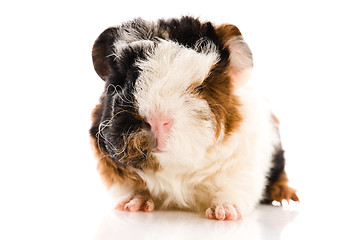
(169, 89)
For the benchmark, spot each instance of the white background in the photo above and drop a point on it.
(307, 62)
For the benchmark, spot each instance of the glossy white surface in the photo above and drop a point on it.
(266, 223)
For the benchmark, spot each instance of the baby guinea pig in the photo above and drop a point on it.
(178, 126)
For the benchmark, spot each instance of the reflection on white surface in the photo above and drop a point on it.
(308, 220)
(266, 222)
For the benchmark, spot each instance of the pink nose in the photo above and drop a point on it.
(161, 125)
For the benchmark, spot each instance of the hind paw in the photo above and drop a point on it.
(281, 191)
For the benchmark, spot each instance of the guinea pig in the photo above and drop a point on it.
(178, 125)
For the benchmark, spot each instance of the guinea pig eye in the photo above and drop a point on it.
(199, 89)
(146, 126)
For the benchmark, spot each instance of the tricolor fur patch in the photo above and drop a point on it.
(177, 122)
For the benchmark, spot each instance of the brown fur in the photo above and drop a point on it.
(113, 172)
(279, 190)
(241, 60)
(137, 146)
(224, 105)
(101, 51)
(218, 88)
(227, 31)
(275, 120)
(95, 112)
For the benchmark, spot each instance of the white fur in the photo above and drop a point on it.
(233, 171)
(199, 171)
(166, 86)
(120, 45)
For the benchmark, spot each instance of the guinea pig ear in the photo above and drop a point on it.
(102, 50)
(241, 61)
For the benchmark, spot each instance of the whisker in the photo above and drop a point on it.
(121, 94)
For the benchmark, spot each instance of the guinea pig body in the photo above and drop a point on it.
(178, 126)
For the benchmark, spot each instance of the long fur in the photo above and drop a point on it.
(219, 152)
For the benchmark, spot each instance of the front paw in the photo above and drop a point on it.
(136, 203)
(224, 211)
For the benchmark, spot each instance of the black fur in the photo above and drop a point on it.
(188, 31)
(278, 167)
(120, 73)
(117, 103)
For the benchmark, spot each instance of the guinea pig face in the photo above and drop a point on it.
(164, 98)
(168, 97)
(159, 109)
